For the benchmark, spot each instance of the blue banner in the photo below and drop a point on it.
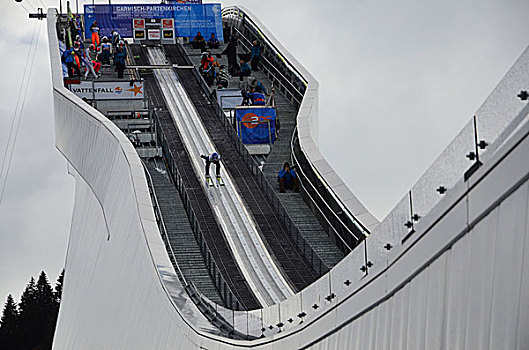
(184, 1)
(189, 18)
(256, 125)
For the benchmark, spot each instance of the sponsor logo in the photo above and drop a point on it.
(167, 24)
(109, 90)
(136, 90)
(250, 120)
(139, 24)
(153, 34)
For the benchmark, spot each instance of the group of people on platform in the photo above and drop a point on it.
(242, 67)
(101, 51)
(94, 56)
(199, 42)
(217, 74)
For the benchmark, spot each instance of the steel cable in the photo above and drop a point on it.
(13, 132)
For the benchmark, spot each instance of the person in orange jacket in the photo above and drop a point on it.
(78, 54)
(206, 61)
(95, 34)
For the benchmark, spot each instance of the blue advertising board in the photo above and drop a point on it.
(189, 18)
(256, 125)
(183, 1)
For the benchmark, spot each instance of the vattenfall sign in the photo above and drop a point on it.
(119, 90)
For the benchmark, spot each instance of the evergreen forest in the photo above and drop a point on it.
(30, 323)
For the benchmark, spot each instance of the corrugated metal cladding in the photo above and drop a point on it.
(474, 296)
(461, 282)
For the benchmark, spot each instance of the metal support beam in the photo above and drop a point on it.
(40, 15)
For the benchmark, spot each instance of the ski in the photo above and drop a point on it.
(220, 181)
(209, 181)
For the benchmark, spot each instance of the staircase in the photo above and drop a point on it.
(181, 236)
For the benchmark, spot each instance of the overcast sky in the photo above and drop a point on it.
(398, 80)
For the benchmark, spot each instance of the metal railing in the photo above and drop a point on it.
(196, 296)
(344, 228)
(161, 224)
(302, 245)
(314, 196)
(274, 73)
(228, 296)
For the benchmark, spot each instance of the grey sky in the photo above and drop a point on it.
(397, 82)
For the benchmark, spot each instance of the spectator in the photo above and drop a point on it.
(88, 64)
(256, 55)
(95, 34)
(119, 61)
(212, 158)
(253, 98)
(231, 52)
(116, 38)
(287, 179)
(79, 42)
(199, 42)
(213, 42)
(222, 77)
(234, 38)
(245, 69)
(226, 31)
(104, 56)
(257, 86)
(206, 61)
(69, 59)
(93, 57)
(62, 50)
(123, 46)
(78, 56)
(209, 75)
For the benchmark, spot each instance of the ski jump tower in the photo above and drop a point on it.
(447, 268)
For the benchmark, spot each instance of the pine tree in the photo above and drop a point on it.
(27, 317)
(9, 327)
(46, 312)
(28, 298)
(33, 325)
(58, 287)
(44, 293)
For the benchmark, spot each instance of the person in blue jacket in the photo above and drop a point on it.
(254, 98)
(258, 86)
(256, 55)
(69, 59)
(213, 42)
(245, 70)
(287, 179)
(119, 61)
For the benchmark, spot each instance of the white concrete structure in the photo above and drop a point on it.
(460, 280)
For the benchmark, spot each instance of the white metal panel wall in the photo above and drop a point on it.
(471, 297)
